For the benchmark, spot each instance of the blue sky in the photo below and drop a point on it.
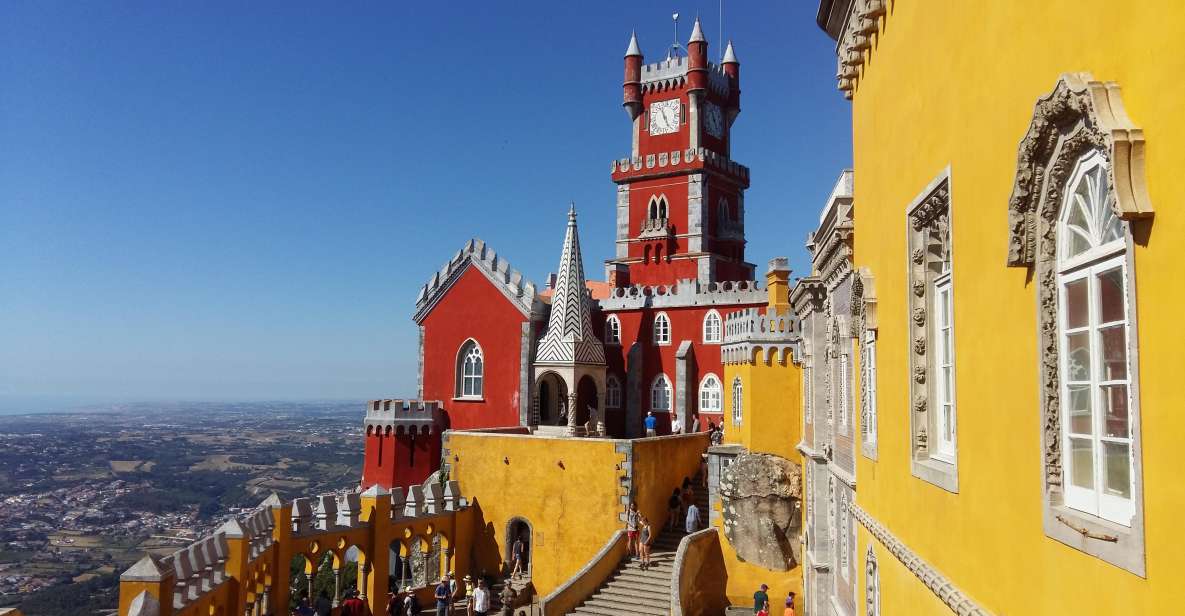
(236, 201)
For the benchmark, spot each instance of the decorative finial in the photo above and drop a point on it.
(730, 57)
(697, 34)
(675, 46)
(572, 212)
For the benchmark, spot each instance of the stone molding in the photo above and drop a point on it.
(863, 308)
(707, 534)
(1077, 116)
(939, 584)
(684, 293)
(512, 284)
(861, 22)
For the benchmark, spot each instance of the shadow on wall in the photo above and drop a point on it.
(485, 552)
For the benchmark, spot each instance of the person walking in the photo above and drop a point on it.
(703, 470)
(761, 600)
(644, 537)
(304, 609)
(674, 512)
(411, 605)
(469, 590)
(692, 522)
(516, 556)
(481, 599)
(651, 424)
(789, 611)
(631, 529)
(441, 595)
(688, 495)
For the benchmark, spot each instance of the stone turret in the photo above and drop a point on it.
(632, 86)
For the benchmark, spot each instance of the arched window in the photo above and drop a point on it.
(662, 328)
(711, 395)
(657, 208)
(613, 392)
(1094, 338)
(470, 370)
(738, 401)
(660, 394)
(612, 330)
(712, 328)
(724, 214)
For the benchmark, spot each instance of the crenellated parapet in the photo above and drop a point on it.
(394, 416)
(671, 73)
(752, 334)
(243, 567)
(690, 159)
(511, 282)
(684, 293)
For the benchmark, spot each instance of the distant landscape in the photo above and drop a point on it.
(83, 495)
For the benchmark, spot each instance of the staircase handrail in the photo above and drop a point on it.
(677, 586)
(585, 582)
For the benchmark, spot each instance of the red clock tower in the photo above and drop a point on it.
(680, 198)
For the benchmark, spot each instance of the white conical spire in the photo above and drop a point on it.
(730, 56)
(697, 33)
(633, 49)
(570, 336)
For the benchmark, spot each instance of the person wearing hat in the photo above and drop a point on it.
(761, 600)
(411, 605)
(469, 588)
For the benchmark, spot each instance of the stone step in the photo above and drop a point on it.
(651, 597)
(632, 585)
(601, 610)
(649, 577)
(628, 606)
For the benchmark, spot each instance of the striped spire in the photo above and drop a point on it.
(570, 337)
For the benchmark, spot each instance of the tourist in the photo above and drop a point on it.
(516, 556)
(469, 590)
(688, 496)
(789, 611)
(717, 435)
(674, 511)
(631, 529)
(644, 538)
(452, 591)
(651, 424)
(692, 524)
(442, 597)
(304, 609)
(481, 599)
(411, 604)
(393, 603)
(703, 470)
(323, 606)
(761, 600)
(352, 606)
(676, 425)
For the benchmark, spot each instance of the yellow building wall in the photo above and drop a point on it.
(954, 83)
(771, 423)
(569, 490)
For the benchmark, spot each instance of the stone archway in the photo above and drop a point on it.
(587, 398)
(519, 528)
(553, 399)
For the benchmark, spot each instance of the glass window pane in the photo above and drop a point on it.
(1110, 285)
(1079, 409)
(1114, 342)
(1078, 357)
(1081, 463)
(1115, 418)
(1076, 304)
(1118, 459)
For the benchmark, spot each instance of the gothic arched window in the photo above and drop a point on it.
(660, 394)
(712, 328)
(612, 330)
(470, 370)
(612, 392)
(711, 395)
(662, 328)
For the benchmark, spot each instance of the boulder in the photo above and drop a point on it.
(761, 496)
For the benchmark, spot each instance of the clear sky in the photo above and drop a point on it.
(239, 201)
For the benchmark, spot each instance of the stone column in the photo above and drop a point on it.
(599, 420)
(446, 561)
(309, 578)
(534, 409)
(266, 605)
(363, 570)
(572, 413)
(337, 586)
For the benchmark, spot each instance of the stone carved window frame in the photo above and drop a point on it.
(1078, 117)
(928, 230)
(864, 331)
(872, 584)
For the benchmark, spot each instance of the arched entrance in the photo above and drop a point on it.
(519, 529)
(586, 400)
(553, 400)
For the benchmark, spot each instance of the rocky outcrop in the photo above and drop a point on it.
(761, 498)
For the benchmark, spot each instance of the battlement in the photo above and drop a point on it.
(686, 292)
(678, 160)
(510, 281)
(671, 73)
(404, 416)
(751, 330)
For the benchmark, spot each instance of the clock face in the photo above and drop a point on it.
(664, 117)
(714, 121)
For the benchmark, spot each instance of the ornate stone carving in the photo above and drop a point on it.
(919, 404)
(919, 374)
(919, 316)
(920, 439)
(919, 288)
(919, 346)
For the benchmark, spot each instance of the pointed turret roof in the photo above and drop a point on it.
(697, 34)
(570, 337)
(730, 56)
(633, 49)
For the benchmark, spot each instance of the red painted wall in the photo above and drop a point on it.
(474, 308)
(390, 462)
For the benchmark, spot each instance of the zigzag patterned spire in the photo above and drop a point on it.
(570, 336)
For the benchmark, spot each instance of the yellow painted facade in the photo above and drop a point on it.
(953, 85)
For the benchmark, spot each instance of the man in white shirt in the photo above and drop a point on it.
(481, 599)
(692, 524)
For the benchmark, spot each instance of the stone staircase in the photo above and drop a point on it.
(632, 590)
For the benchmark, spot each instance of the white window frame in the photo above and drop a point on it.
(945, 416)
(612, 392)
(845, 390)
(738, 401)
(470, 385)
(612, 330)
(711, 394)
(662, 329)
(868, 396)
(661, 386)
(713, 335)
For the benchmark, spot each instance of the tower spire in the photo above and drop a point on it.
(730, 56)
(570, 337)
(633, 49)
(697, 33)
